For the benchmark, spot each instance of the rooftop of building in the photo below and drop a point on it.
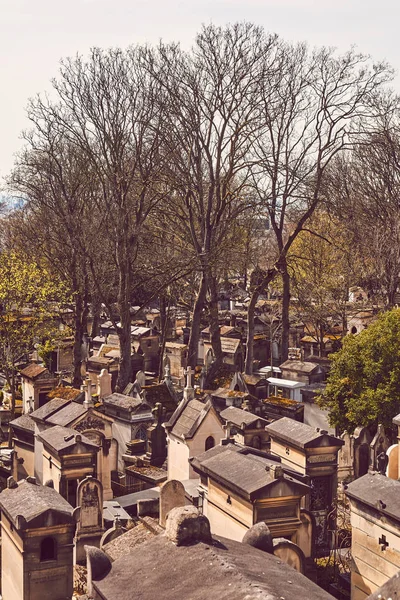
(240, 417)
(60, 439)
(301, 435)
(378, 492)
(30, 500)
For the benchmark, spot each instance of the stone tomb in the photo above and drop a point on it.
(37, 551)
(90, 525)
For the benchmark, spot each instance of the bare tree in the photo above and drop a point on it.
(210, 96)
(312, 108)
(364, 190)
(104, 111)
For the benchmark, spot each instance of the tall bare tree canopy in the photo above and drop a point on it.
(146, 160)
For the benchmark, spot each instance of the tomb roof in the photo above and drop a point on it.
(175, 346)
(33, 371)
(299, 366)
(188, 417)
(67, 414)
(29, 500)
(62, 438)
(66, 392)
(23, 422)
(122, 401)
(49, 408)
(238, 417)
(242, 472)
(160, 392)
(377, 491)
(301, 435)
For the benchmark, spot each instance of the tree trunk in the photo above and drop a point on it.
(78, 338)
(215, 333)
(270, 275)
(96, 309)
(124, 331)
(164, 318)
(248, 367)
(125, 363)
(196, 322)
(285, 313)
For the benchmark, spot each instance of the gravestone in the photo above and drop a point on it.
(172, 495)
(379, 445)
(346, 459)
(290, 553)
(140, 379)
(157, 438)
(392, 469)
(362, 439)
(104, 384)
(90, 528)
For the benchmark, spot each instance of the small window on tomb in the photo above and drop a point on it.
(210, 442)
(354, 329)
(48, 549)
(141, 434)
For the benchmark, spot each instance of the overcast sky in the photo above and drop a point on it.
(35, 34)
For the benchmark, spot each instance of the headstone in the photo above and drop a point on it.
(141, 379)
(104, 384)
(290, 553)
(362, 439)
(305, 533)
(172, 495)
(378, 447)
(209, 359)
(111, 534)
(90, 524)
(346, 459)
(157, 438)
(392, 469)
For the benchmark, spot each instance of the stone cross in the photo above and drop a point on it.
(188, 392)
(188, 374)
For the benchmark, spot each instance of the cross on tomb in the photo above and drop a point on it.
(188, 372)
(382, 541)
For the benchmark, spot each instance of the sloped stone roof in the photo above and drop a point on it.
(246, 474)
(49, 408)
(188, 417)
(300, 435)
(24, 422)
(67, 414)
(30, 500)
(33, 371)
(63, 438)
(237, 416)
(122, 401)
